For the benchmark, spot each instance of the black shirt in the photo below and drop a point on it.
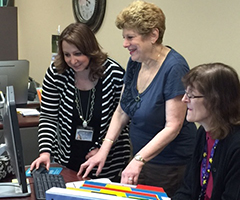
(79, 149)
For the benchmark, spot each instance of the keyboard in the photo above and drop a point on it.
(45, 181)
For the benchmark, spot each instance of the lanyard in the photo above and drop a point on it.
(206, 169)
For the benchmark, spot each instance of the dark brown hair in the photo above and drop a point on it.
(219, 83)
(84, 39)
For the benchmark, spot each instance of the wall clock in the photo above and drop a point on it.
(90, 12)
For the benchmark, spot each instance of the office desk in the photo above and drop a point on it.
(68, 175)
(29, 136)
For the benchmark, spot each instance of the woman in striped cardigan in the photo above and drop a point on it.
(81, 90)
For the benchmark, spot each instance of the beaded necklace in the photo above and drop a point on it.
(207, 169)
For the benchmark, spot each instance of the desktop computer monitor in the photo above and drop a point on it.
(14, 149)
(15, 73)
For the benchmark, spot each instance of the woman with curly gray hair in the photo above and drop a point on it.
(161, 138)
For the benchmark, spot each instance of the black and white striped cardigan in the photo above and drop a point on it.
(56, 117)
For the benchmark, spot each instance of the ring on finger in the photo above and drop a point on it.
(130, 178)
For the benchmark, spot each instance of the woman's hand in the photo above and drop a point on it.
(93, 160)
(91, 153)
(43, 158)
(118, 121)
(131, 173)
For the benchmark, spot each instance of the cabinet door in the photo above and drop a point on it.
(8, 33)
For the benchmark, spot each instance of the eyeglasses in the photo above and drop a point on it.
(191, 96)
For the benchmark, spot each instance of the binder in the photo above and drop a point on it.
(127, 191)
(62, 193)
(92, 189)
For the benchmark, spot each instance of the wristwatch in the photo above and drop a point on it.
(138, 157)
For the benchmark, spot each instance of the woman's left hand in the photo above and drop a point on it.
(91, 153)
(131, 173)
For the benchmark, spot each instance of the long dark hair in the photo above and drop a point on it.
(84, 39)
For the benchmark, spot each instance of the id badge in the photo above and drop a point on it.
(84, 134)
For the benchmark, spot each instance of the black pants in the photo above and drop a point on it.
(169, 177)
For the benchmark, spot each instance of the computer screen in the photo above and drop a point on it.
(15, 73)
(14, 148)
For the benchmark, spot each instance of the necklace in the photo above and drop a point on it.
(138, 98)
(207, 169)
(79, 106)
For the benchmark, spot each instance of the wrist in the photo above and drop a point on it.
(108, 140)
(44, 154)
(106, 145)
(139, 158)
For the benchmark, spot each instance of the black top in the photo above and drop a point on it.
(225, 169)
(81, 148)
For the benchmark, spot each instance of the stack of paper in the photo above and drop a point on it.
(28, 111)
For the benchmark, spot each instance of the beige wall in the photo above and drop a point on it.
(202, 30)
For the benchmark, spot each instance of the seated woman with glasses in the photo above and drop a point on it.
(213, 100)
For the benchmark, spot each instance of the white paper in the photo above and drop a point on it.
(28, 111)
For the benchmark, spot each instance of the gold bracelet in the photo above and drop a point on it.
(109, 140)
